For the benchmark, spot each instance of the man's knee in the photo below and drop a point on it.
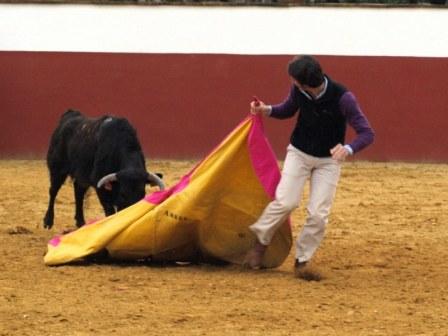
(317, 219)
(287, 206)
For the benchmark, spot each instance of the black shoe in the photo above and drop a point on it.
(299, 264)
(303, 271)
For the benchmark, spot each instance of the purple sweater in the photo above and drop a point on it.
(349, 108)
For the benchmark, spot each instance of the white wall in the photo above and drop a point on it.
(225, 30)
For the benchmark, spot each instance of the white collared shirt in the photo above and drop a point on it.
(320, 94)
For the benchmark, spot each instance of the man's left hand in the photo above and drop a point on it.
(339, 152)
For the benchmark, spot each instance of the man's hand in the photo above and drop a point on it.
(258, 107)
(339, 152)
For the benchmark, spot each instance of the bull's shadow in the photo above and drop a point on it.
(102, 257)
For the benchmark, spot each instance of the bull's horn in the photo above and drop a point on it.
(153, 179)
(106, 179)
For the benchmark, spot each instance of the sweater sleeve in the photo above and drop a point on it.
(288, 107)
(357, 120)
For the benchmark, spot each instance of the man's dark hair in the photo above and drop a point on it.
(306, 70)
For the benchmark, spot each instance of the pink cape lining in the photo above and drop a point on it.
(55, 241)
(263, 158)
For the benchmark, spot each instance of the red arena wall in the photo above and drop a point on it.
(183, 104)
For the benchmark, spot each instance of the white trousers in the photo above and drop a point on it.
(298, 167)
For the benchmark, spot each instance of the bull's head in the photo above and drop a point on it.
(127, 187)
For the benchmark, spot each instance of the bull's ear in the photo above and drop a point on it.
(159, 175)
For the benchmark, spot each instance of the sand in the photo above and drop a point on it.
(384, 267)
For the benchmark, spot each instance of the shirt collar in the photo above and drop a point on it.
(324, 90)
(320, 94)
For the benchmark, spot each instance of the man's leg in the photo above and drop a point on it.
(323, 183)
(295, 172)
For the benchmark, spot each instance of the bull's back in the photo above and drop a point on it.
(73, 146)
(57, 155)
(83, 149)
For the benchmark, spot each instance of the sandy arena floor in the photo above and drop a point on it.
(384, 263)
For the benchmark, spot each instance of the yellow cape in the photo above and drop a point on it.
(207, 212)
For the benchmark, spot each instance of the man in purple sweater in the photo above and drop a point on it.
(316, 150)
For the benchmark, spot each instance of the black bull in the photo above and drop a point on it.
(104, 153)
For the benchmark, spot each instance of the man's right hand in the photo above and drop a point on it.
(258, 107)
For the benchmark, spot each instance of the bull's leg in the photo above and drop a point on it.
(56, 182)
(80, 192)
(105, 201)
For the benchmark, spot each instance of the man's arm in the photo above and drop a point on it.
(358, 121)
(288, 107)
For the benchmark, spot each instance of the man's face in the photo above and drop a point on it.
(302, 87)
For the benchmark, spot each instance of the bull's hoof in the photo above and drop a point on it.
(80, 222)
(48, 222)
